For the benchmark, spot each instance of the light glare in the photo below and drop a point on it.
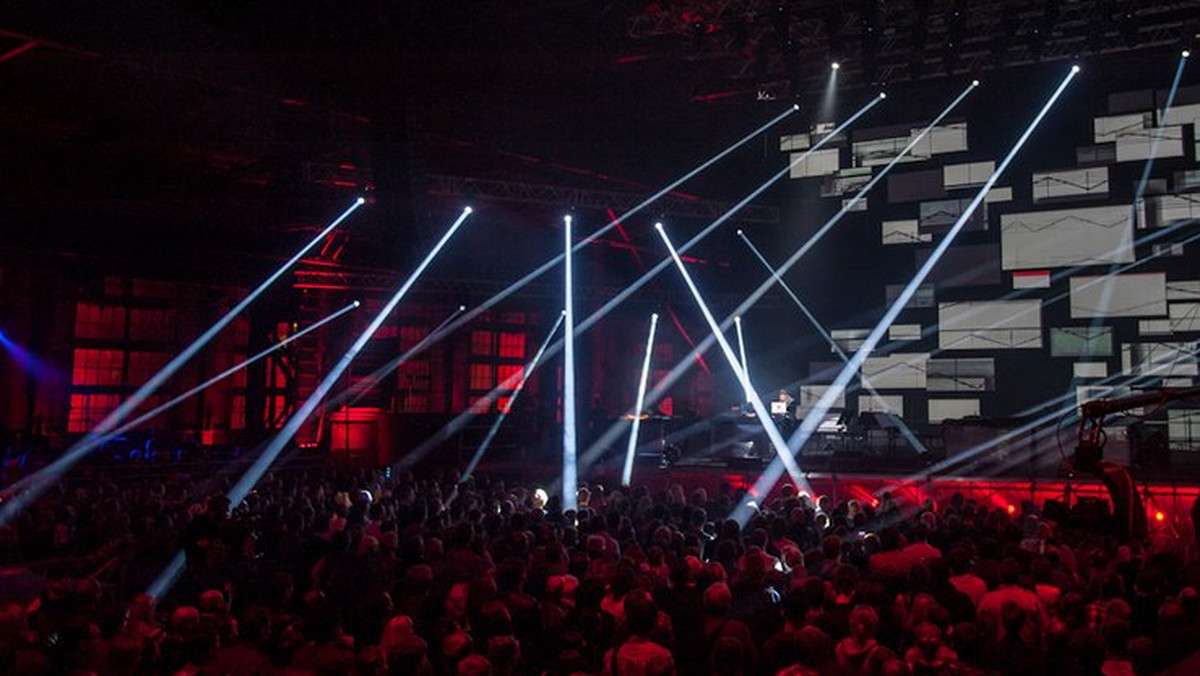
(835, 65)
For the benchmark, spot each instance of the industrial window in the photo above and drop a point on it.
(512, 346)
(237, 412)
(480, 405)
(481, 377)
(102, 322)
(97, 367)
(87, 410)
(509, 375)
(481, 343)
(154, 325)
(143, 366)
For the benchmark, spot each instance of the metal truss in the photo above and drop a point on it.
(584, 198)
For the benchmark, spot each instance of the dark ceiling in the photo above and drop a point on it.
(221, 125)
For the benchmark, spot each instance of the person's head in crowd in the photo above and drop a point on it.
(474, 665)
(504, 654)
(728, 657)
(717, 599)
(641, 615)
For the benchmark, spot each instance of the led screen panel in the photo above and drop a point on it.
(1139, 295)
(819, 163)
(961, 375)
(1161, 359)
(952, 409)
(1081, 341)
(901, 371)
(990, 325)
(903, 232)
(1050, 185)
(1065, 238)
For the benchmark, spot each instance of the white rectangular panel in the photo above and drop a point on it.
(1074, 183)
(950, 138)
(901, 371)
(990, 325)
(1031, 279)
(789, 142)
(998, 195)
(879, 152)
(1063, 238)
(951, 409)
(1167, 209)
(1136, 295)
(1185, 317)
(1162, 359)
(882, 403)
(1137, 145)
(904, 232)
(967, 175)
(849, 339)
(1091, 369)
(1183, 290)
(1154, 327)
(819, 163)
(904, 332)
(1185, 114)
(1109, 129)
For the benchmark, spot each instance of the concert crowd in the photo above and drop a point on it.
(359, 572)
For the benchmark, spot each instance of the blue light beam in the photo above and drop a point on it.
(627, 471)
(48, 475)
(737, 322)
(252, 476)
(569, 473)
(783, 453)
(512, 400)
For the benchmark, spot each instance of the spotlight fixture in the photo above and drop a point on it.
(883, 95)
(1075, 68)
(835, 65)
(1185, 54)
(462, 308)
(974, 83)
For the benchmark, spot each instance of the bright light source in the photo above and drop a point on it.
(658, 226)
(1186, 54)
(1159, 516)
(737, 319)
(361, 201)
(1075, 68)
(462, 308)
(1011, 509)
(540, 497)
(570, 485)
(883, 95)
(739, 232)
(468, 210)
(795, 106)
(974, 83)
(835, 65)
